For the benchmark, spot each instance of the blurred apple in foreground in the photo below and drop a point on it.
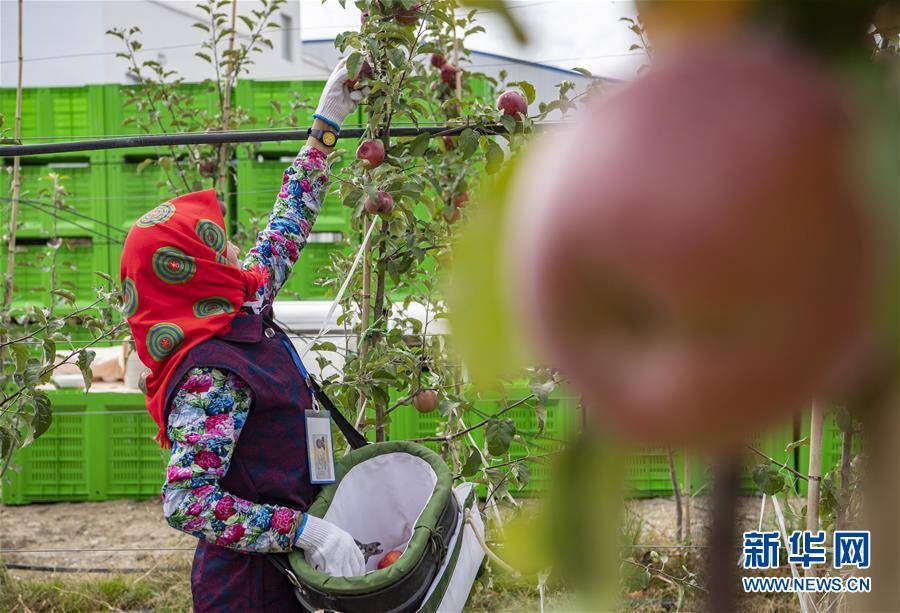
(694, 257)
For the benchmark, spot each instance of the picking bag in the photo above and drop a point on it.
(401, 495)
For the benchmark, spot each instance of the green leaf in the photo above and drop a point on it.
(104, 276)
(468, 142)
(85, 357)
(499, 434)
(43, 414)
(396, 57)
(583, 71)
(494, 156)
(21, 352)
(64, 294)
(140, 167)
(768, 479)
(418, 145)
(803, 441)
(527, 89)
(635, 578)
(354, 63)
(472, 463)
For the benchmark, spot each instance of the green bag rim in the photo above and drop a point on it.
(377, 579)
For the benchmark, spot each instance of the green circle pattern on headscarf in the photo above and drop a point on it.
(173, 265)
(212, 235)
(130, 304)
(215, 305)
(163, 339)
(160, 214)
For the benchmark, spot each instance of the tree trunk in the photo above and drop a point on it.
(723, 540)
(843, 518)
(376, 337)
(688, 499)
(815, 467)
(364, 316)
(16, 181)
(224, 148)
(676, 490)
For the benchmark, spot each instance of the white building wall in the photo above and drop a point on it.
(65, 42)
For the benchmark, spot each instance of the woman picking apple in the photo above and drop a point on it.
(227, 389)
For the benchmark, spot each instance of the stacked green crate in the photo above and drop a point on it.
(85, 181)
(61, 113)
(100, 446)
(648, 472)
(76, 261)
(259, 177)
(774, 444)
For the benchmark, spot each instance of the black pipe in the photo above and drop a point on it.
(219, 137)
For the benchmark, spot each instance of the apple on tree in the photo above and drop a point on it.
(705, 269)
(448, 74)
(370, 153)
(409, 16)
(382, 205)
(513, 103)
(425, 401)
(437, 60)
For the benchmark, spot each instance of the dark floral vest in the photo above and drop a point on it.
(269, 464)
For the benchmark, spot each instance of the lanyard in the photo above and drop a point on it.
(300, 367)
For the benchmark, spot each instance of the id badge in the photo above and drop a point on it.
(319, 447)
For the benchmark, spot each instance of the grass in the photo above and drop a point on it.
(161, 590)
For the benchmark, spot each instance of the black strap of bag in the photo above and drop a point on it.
(354, 437)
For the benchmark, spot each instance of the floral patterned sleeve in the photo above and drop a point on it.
(296, 208)
(208, 413)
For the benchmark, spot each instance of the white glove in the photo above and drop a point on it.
(339, 99)
(330, 549)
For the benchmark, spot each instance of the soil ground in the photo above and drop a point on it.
(145, 563)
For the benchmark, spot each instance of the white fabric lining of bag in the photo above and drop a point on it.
(465, 568)
(392, 491)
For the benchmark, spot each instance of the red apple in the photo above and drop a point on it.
(383, 205)
(409, 16)
(370, 153)
(425, 401)
(449, 145)
(513, 104)
(460, 199)
(452, 214)
(448, 74)
(389, 558)
(207, 168)
(437, 60)
(706, 267)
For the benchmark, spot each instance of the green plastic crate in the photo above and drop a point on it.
(257, 98)
(119, 117)
(133, 193)
(59, 112)
(259, 181)
(647, 473)
(99, 447)
(77, 260)
(85, 180)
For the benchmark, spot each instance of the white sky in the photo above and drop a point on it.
(562, 33)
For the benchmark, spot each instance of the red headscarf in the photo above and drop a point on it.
(179, 288)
